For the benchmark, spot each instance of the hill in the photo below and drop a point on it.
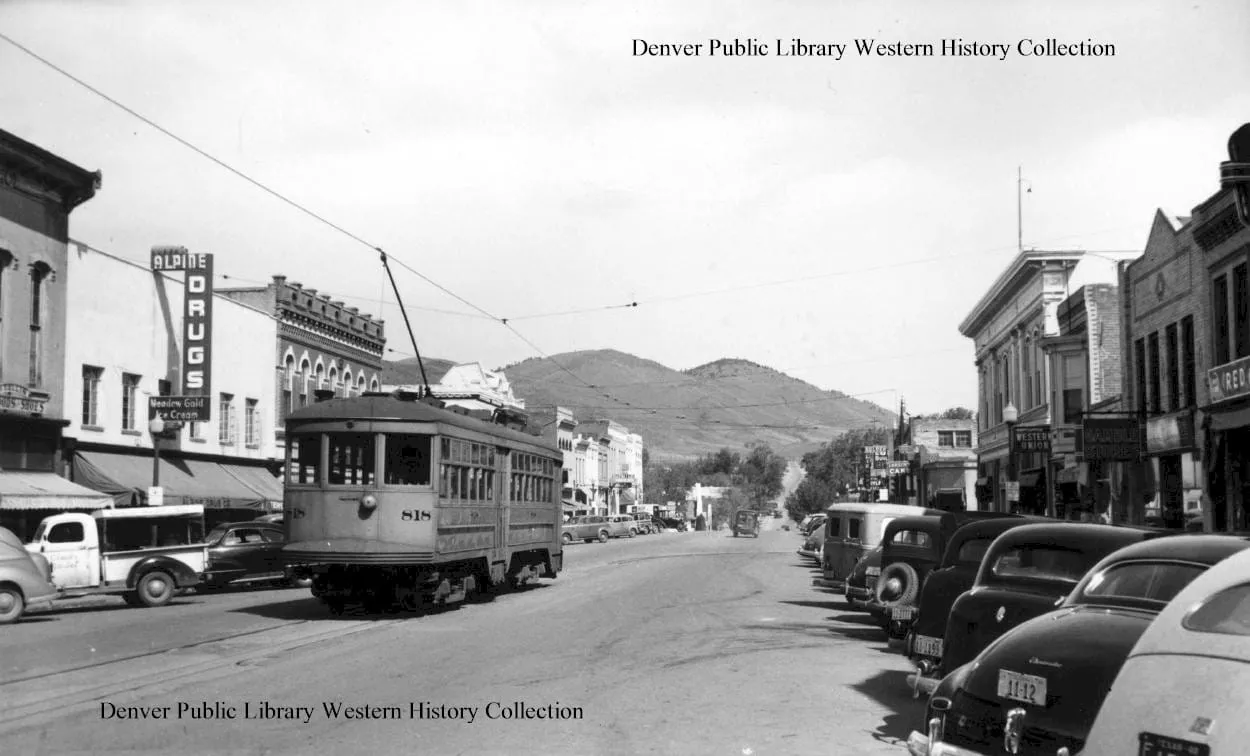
(682, 414)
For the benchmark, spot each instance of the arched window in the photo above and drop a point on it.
(334, 380)
(360, 384)
(319, 373)
(347, 382)
(304, 368)
(288, 384)
(38, 307)
(6, 259)
(373, 385)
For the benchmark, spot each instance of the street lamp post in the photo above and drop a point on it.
(156, 426)
(1010, 416)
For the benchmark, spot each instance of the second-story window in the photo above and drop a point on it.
(130, 393)
(946, 438)
(1174, 367)
(225, 420)
(1152, 364)
(1241, 312)
(91, 394)
(1189, 364)
(38, 278)
(1219, 312)
(251, 427)
(963, 439)
(1139, 365)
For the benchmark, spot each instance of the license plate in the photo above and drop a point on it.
(874, 571)
(902, 612)
(1024, 688)
(925, 645)
(1158, 745)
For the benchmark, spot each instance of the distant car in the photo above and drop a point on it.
(861, 584)
(1176, 691)
(627, 526)
(746, 523)
(1043, 681)
(241, 553)
(643, 522)
(588, 528)
(25, 578)
(813, 545)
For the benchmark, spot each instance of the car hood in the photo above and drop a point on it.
(1077, 650)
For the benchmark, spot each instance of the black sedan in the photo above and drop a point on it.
(1037, 689)
(242, 553)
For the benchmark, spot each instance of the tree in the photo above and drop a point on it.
(833, 470)
(953, 413)
(763, 472)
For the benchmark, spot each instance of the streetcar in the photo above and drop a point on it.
(393, 500)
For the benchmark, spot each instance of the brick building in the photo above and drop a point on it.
(1221, 230)
(943, 456)
(322, 345)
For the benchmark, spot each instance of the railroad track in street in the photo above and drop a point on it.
(38, 699)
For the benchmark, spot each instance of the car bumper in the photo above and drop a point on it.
(828, 584)
(918, 745)
(921, 684)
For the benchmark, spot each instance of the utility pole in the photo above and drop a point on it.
(1019, 209)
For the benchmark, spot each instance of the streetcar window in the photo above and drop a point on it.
(351, 459)
(407, 459)
(305, 457)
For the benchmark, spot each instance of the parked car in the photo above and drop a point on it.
(913, 547)
(241, 553)
(1176, 691)
(1040, 685)
(956, 574)
(851, 530)
(25, 578)
(643, 522)
(861, 586)
(812, 546)
(627, 526)
(746, 522)
(1025, 573)
(588, 528)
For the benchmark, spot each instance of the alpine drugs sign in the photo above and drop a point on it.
(197, 330)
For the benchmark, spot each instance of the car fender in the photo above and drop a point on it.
(183, 575)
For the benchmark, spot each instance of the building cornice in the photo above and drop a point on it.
(35, 171)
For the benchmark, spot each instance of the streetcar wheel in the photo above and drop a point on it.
(155, 588)
(11, 605)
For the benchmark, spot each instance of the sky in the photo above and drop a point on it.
(832, 219)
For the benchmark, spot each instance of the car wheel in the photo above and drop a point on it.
(567, 538)
(899, 584)
(603, 536)
(11, 605)
(155, 588)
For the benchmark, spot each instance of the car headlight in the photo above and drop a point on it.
(368, 501)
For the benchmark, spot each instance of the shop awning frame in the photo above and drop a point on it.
(30, 489)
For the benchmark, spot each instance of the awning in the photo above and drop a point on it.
(259, 479)
(1029, 479)
(1227, 419)
(126, 478)
(21, 489)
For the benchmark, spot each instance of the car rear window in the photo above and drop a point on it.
(973, 550)
(912, 538)
(1148, 581)
(1225, 613)
(1041, 563)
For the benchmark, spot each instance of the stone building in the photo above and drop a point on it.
(943, 457)
(38, 191)
(1007, 327)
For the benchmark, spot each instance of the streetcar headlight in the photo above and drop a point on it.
(368, 501)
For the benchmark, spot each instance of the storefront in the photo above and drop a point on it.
(228, 491)
(1228, 456)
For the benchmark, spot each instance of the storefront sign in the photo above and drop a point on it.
(197, 315)
(900, 468)
(1032, 438)
(1112, 439)
(1230, 380)
(18, 398)
(875, 451)
(156, 496)
(180, 408)
(1013, 490)
(1169, 433)
(1064, 439)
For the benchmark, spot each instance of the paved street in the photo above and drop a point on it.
(671, 643)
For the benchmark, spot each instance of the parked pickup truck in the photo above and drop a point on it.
(143, 554)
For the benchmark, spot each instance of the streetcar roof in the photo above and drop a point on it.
(405, 410)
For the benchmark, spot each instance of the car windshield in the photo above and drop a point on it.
(1225, 613)
(1135, 582)
(1041, 563)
